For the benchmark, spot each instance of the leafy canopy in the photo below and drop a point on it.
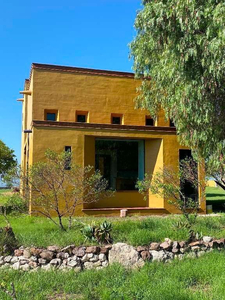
(7, 158)
(180, 45)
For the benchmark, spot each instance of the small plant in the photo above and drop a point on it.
(100, 234)
(194, 236)
(16, 204)
(8, 241)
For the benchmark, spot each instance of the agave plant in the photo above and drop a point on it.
(102, 233)
(89, 232)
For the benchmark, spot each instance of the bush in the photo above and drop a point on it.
(16, 204)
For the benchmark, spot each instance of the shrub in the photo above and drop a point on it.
(16, 204)
(100, 234)
(8, 241)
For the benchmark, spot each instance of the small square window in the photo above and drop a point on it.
(171, 123)
(149, 121)
(51, 116)
(116, 120)
(81, 118)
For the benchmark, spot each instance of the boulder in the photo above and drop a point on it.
(124, 254)
(158, 255)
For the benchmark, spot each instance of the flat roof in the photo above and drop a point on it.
(82, 70)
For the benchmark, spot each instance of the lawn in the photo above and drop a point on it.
(199, 279)
(215, 196)
(137, 230)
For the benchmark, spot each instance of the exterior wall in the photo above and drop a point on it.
(101, 96)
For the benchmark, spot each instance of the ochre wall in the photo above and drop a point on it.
(101, 96)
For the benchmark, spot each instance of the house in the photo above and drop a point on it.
(92, 113)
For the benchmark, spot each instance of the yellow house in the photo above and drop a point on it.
(92, 113)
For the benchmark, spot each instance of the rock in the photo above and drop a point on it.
(207, 239)
(104, 250)
(8, 259)
(142, 248)
(62, 255)
(33, 258)
(18, 252)
(197, 243)
(77, 269)
(109, 247)
(55, 262)
(93, 249)
(79, 252)
(195, 248)
(154, 246)
(124, 254)
(71, 262)
(105, 263)
(102, 257)
(200, 253)
(97, 264)
(94, 258)
(53, 248)
(26, 253)
(42, 261)
(48, 255)
(158, 255)
(14, 259)
(23, 260)
(35, 251)
(140, 263)
(16, 266)
(88, 265)
(90, 255)
(25, 267)
(191, 255)
(166, 246)
(182, 244)
(145, 255)
(68, 249)
(85, 258)
(33, 264)
(175, 245)
(175, 250)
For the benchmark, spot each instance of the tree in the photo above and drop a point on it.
(7, 158)
(178, 187)
(57, 186)
(179, 53)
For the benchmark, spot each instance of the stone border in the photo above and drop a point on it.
(95, 257)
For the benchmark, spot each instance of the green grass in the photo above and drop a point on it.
(199, 279)
(39, 231)
(4, 195)
(215, 194)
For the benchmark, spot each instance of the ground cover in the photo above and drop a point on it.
(189, 279)
(135, 230)
(5, 194)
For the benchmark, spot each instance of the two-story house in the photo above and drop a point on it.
(92, 113)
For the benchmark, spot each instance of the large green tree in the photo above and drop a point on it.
(7, 158)
(179, 52)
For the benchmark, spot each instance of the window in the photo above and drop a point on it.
(51, 115)
(121, 162)
(171, 123)
(68, 158)
(117, 119)
(149, 121)
(82, 116)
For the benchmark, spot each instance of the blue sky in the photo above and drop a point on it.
(82, 33)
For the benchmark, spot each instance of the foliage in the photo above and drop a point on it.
(8, 241)
(169, 184)
(58, 188)
(100, 234)
(179, 54)
(7, 158)
(10, 292)
(16, 204)
(215, 168)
